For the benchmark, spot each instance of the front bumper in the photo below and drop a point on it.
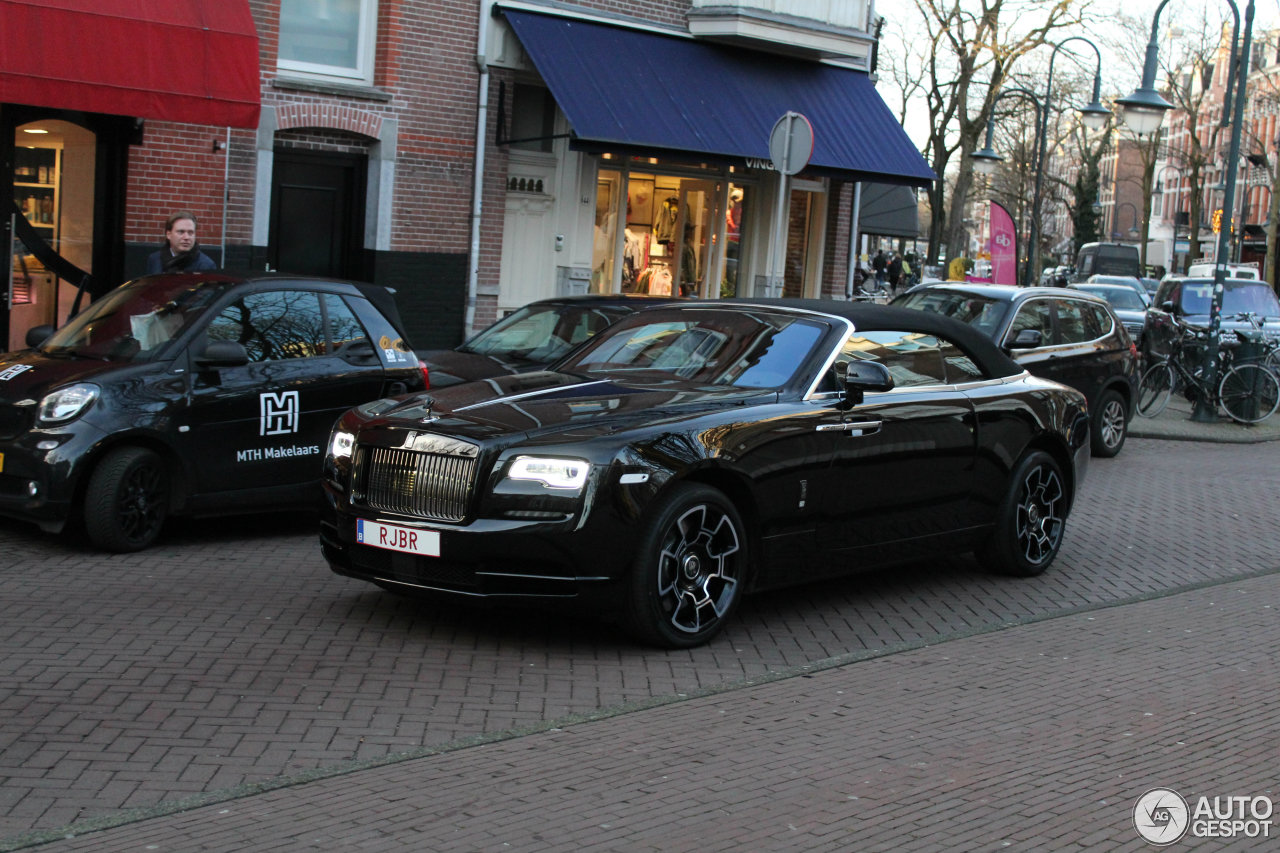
(38, 484)
(488, 559)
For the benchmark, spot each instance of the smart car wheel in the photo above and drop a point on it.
(687, 577)
(1109, 424)
(127, 500)
(1031, 519)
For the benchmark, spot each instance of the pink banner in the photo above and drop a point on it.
(1004, 246)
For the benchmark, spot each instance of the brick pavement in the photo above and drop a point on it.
(221, 664)
(1035, 737)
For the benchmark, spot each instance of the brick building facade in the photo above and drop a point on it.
(370, 171)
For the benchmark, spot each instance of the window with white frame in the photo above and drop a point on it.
(328, 38)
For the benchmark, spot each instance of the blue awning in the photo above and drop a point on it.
(635, 91)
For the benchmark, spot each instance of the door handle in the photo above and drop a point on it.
(854, 428)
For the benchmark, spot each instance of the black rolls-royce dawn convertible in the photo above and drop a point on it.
(693, 453)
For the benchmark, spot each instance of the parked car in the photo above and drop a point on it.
(1059, 334)
(1126, 305)
(530, 337)
(190, 394)
(1133, 283)
(694, 452)
(1206, 269)
(1107, 259)
(1187, 301)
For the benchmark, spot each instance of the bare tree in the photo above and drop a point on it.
(967, 48)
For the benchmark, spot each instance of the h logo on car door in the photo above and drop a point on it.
(279, 413)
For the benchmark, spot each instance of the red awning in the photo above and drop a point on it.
(193, 61)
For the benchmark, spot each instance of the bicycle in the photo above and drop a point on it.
(1265, 350)
(1248, 392)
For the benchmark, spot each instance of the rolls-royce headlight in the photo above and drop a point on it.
(341, 444)
(568, 474)
(67, 404)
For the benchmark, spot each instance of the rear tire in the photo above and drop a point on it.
(1110, 424)
(1155, 389)
(127, 500)
(1031, 519)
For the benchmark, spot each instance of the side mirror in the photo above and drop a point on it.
(37, 335)
(1169, 307)
(1027, 339)
(858, 377)
(223, 354)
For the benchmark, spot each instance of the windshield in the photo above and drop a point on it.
(1238, 297)
(542, 333)
(1121, 298)
(981, 312)
(134, 322)
(743, 349)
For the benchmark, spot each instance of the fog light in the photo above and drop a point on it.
(47, 445)
(33, 488)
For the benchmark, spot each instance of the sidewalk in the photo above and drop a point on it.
(1175, 423)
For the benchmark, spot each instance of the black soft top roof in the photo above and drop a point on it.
(871, 317)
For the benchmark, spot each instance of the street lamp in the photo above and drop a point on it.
(1094, 116)
(1161, 189)
(1143, 112)
(1115, 218)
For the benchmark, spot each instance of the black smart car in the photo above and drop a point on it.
(1065, 335)
(531, 337)
(190, 394)
(693, 452)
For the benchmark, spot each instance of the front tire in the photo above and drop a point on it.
(127, 500)
(1110, 424)
(1249, 393)
(1031, 519)
(688, 576)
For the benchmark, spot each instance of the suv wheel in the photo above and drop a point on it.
(1110, 425)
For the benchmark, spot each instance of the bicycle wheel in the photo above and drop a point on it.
(1249, 393)
(1155, 389)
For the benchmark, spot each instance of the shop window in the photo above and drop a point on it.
(328, 38)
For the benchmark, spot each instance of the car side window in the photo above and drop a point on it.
(273, 325)
(1033, 315)
(959, 366)
(344, 327)
(913, 358)
(1076, 324)
(1103, 318)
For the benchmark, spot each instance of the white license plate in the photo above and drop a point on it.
(407, 540)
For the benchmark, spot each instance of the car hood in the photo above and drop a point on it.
(29, 375)
(447, 367)
(563, 405)
(1271, 326)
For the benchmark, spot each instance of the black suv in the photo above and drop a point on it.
(190, 394)
(1187, 300)
(1064, 335)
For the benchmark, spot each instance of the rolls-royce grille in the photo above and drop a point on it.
(410, 482)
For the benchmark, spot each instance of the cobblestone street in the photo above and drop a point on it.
(927, 706)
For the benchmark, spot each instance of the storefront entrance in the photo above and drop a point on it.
(67, 183)
(680, 234)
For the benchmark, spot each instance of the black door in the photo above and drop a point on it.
(317, 214)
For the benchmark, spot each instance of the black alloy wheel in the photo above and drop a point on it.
(127, 500)
(1031, 520)
(687, 578)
